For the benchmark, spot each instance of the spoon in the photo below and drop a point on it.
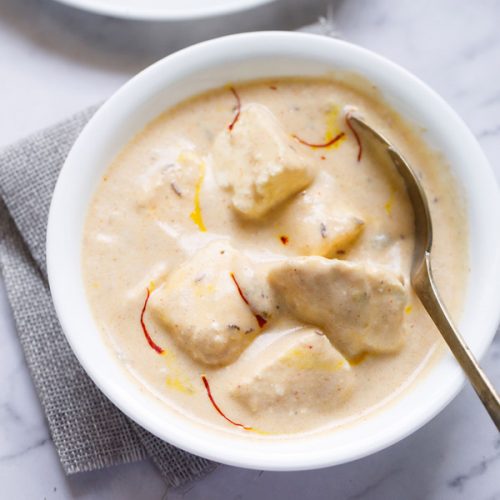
(421, 273)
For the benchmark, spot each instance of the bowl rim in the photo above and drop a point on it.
(163, 13)
(279, 461)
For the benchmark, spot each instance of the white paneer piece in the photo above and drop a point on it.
(327, 234)
(319, 223)
(259, 163)
(172, 176)
(299, 373)
(360, 307)
(200, 305)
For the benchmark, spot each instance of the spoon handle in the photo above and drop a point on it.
(424, 286)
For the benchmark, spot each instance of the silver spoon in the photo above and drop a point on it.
(421, 273)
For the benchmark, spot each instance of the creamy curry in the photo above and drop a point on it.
(247, 258)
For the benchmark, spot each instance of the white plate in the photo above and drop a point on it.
(163, 9)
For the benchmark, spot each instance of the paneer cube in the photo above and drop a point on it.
(259, 163)
(327, 234)
(360, 307)
(299, 373)
(201, 307)
(166, 188)
(318, 222)
(323, 232)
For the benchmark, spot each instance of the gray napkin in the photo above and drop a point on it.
(88, 431)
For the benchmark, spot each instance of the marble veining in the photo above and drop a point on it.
(55, 61)
(372, 488)
(477, 469)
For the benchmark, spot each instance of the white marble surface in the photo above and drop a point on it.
(54, 61)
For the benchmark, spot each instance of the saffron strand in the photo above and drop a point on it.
(216, 406)
(151, 342)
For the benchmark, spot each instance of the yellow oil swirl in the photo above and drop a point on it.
(358, 358)
(179, 385)
(332, 127)
(390, 202)
(303, 358)
(258, 431)
(196, 215)
(176, 379)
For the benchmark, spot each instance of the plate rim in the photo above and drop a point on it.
(160, 14)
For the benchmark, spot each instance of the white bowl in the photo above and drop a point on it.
(163, 10)
(240, 57)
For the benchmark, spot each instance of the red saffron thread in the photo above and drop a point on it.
(260, 320)
(238, 108)
(356, 136)
(284, 239)
(151, 342)
(273, 87)
(216, 406)
(323, 145)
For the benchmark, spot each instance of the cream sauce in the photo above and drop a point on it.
(140, 228)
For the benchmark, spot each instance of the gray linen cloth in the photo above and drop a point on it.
(88, 431)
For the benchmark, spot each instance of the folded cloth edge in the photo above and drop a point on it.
(28, 172)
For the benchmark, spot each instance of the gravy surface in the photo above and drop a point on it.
(161, 202)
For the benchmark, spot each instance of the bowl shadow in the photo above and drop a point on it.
(127, 46)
